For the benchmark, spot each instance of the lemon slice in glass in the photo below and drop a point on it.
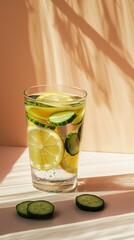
(70, 163)
(48, 103)
(79, 118)
(46, 148)
(39, 112)
(54, 96)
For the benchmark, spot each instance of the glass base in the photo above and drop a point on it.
(54, 180)
(56, 187)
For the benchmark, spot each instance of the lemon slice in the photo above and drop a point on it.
(70, 163)
(48, 104)
(79, 118)
(54, 96)
(39, 112)
(46, 148)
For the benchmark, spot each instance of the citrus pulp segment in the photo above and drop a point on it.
(46, 148)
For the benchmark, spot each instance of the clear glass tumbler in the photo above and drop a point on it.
(54, 116)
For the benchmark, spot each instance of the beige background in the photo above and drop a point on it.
(87, 43)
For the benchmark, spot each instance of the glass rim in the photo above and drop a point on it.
(56, 85)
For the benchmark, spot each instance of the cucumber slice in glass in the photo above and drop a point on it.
(39, 122)
(34, 103)
(62, 118)
(72, 143)
(40, 209)
(89, 202)
(21, 209)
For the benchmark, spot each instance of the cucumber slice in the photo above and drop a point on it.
(39, 122)
(34, 103)
(40, 209)
(72, 143)
(88, 202)
(21, 209)
(62, 118)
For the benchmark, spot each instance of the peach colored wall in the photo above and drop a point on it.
(16, 70)
(87, 43)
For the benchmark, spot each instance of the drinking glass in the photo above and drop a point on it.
(55, 115)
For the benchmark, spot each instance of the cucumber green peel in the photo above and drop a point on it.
(72, 143)
(40, 209)
(39, 122)
(21, 209)
(89, 202)
(34, 103)
(62, 118)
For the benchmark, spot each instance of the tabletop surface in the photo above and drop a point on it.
(108, 175)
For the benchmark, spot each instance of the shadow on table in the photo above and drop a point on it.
(106, 183)
(8, 157)
(66, 212)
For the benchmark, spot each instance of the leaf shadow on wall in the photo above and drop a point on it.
(79, 51)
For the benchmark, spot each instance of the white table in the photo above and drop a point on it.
(105, 174)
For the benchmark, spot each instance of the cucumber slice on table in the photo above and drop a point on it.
(40, 209)
(62, 118)
(89, 202)
(72, 143)
(21, 209)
